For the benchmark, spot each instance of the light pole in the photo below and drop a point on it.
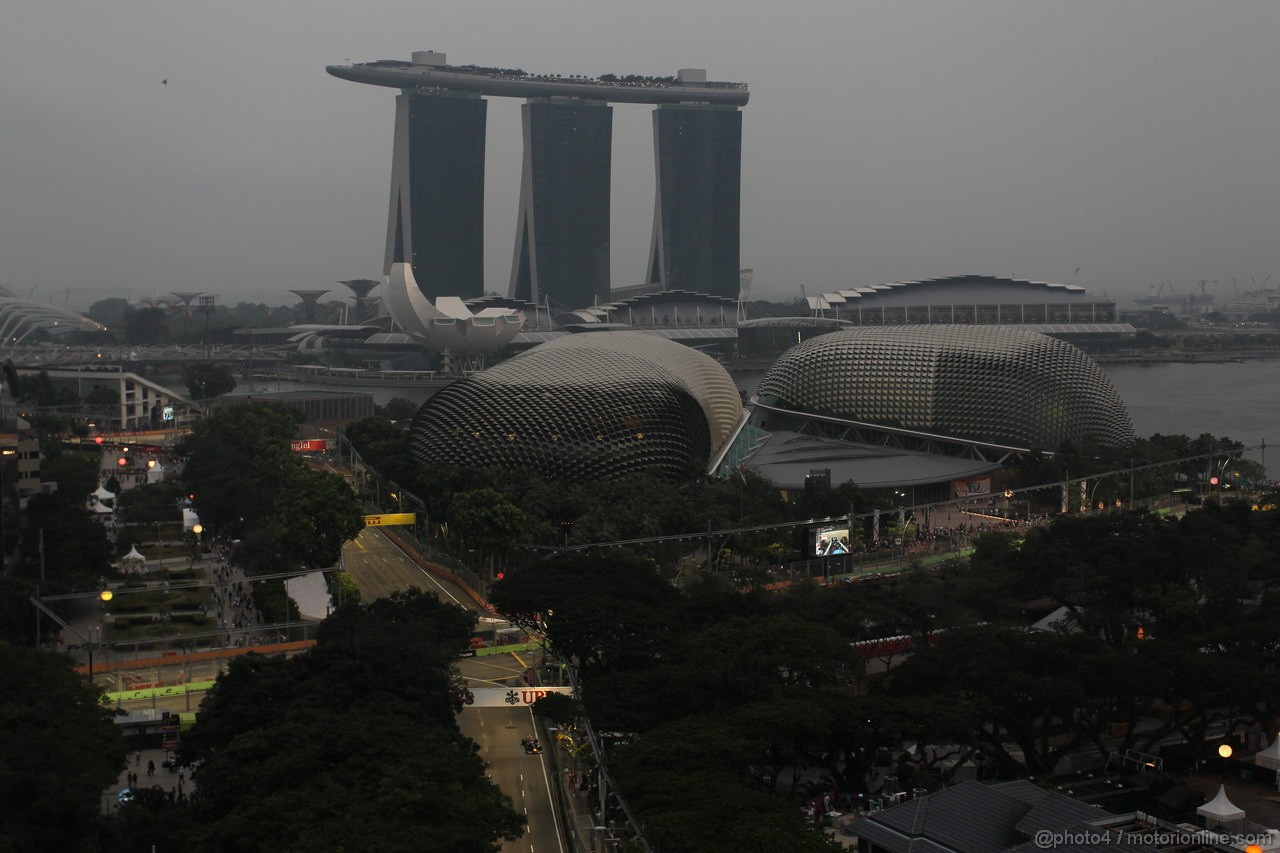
(1225, 751)
(1093, 492)
(103, 597)
(1215, 482)
(1133, 467)
(5, 503)
(207, 308)
(400, 507)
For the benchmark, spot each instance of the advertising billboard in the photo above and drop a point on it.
(309, 445)
(389, 519)
(972, 488)
(506, 697)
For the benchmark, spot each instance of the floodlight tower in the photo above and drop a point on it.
(206, 306)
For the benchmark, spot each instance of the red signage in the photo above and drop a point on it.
(309, 445)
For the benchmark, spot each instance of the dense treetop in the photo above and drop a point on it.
(59, 751)
(352, 746)
(758, 698)
(245, 484)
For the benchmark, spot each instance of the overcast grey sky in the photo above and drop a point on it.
(884, 140)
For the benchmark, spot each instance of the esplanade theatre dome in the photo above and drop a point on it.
(584, 406)
(991, 384)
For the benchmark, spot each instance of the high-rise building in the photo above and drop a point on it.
(562, 238)
(436, 220)
(698, 161)
(562, 247)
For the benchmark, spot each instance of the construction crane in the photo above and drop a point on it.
(1157, 295)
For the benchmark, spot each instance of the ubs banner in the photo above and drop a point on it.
(509, 697)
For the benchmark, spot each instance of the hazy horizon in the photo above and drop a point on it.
(882, 142)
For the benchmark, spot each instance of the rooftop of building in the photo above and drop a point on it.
(956, 290)
(428, 70)
(285, 396)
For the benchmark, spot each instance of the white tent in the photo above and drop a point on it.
(133, 561)
(1060, 621)
(1220, 810)
(1269, 757)
(155, 474)
(98, 501)
(189, 519)
(311, 594)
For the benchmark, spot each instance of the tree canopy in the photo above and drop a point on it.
(317, 513)
(602, 609)
(59, 751)
(351, 746)
(757, 698)
(76, 552)
(206, 381)
(236, 463)
(245, 484)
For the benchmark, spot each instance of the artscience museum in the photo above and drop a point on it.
(448, 325)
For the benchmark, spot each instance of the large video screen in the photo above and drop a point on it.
(830, 540)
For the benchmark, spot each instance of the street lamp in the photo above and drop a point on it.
(1225, 751)
(898, 497)
(1133, 462)
(104, 596)
(1216, 480)
(1093, 492)
(399, 499)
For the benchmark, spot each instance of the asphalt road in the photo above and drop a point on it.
(522, 777)
(379, 568)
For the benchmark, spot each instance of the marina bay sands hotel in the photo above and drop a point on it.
(436, 217)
